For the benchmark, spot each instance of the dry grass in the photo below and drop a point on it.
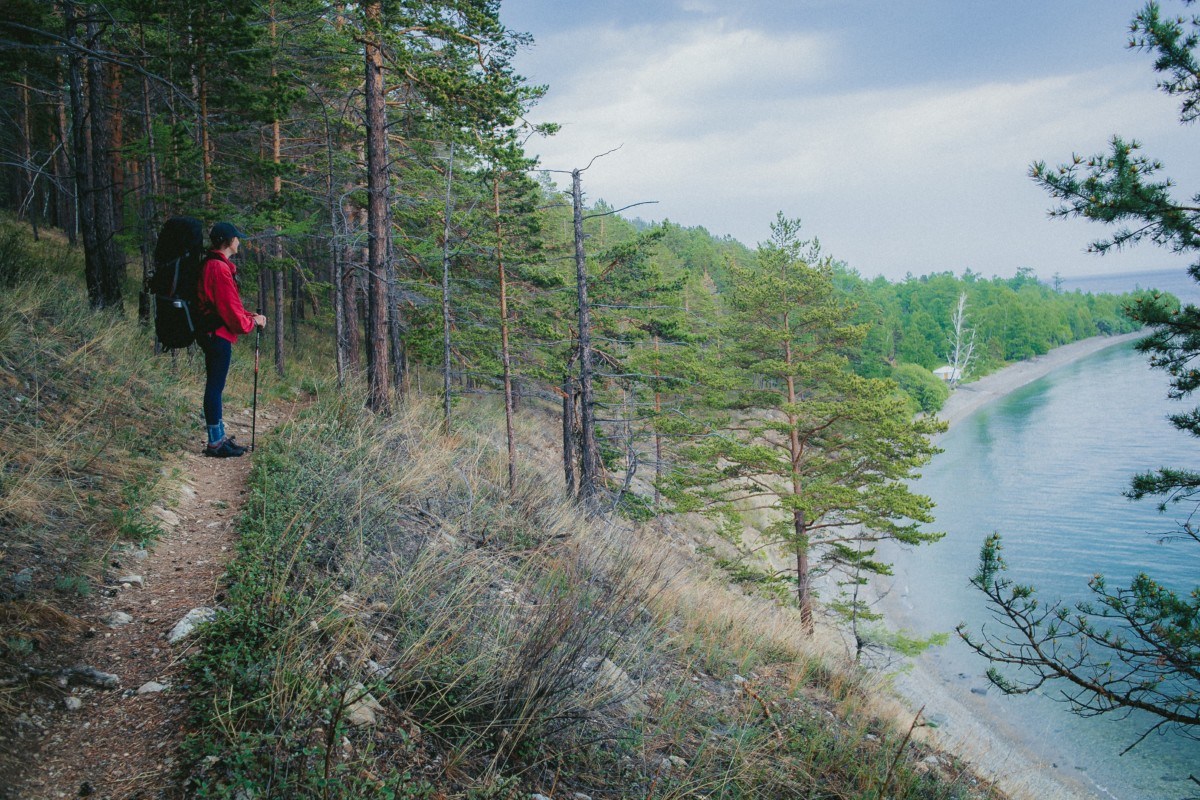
(511, 643)
(86, 421)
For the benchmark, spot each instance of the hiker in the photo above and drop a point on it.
(219, 301)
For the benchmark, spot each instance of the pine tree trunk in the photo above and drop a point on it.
(447, 216)
(589, 461)
(116, 143)
(110, 261)
(149, 189)
(570, 444)
(276, 194)
(63, 192)
(378, 395)
(83, 157)
(799, 524)
(24, 183)
(279, 279)
(658, 459)
(505, 357)
(350, 302)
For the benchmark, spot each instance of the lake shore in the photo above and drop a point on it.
(970, 397)
(968, 719)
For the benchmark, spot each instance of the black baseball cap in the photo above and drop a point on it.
(224, 232)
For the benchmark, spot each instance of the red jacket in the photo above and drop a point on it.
(218, 296)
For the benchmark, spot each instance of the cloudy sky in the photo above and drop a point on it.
(901, 133)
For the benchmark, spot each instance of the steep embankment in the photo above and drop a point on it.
(98, 438)
(123, 741)
(400, 622)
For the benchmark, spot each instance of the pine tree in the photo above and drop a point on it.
(805, 436)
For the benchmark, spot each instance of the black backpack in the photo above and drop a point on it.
(178, 261)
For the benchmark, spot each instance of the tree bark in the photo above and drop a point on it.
(64, 194)
(449, 210)
(570, 442)
(505, 356)
(378, 230)
(110, 260)
(81, 149)
(799, 523)
(149, 189)
(589, 460)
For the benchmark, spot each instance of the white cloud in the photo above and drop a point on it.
(724, 125)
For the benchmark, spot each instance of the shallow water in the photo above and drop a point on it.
(1045, 467)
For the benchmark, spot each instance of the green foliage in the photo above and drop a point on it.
(73, 584)
(1013, 318)
(824, 449)
(927, 390)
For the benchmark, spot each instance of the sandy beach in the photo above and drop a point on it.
(957, 704)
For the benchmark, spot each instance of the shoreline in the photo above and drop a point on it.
(966, 726)
(971, 397)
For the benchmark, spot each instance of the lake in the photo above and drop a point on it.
(1046, 467)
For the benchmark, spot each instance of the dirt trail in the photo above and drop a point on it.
(123, 743)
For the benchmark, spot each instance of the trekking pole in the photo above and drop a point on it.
(254, 414)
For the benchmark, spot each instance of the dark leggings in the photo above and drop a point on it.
(217, 354)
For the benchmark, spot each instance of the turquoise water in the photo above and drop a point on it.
(1046, 467)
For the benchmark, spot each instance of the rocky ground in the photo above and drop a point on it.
(113, 728)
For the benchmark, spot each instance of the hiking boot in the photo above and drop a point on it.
(226, 449)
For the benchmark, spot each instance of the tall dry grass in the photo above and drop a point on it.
(504, 644)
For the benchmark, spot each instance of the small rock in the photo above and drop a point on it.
(132, 580)
(116, 619)
(151, 687)
(580, 796)
(738, 679)
(23, 581)
(377, 671)
(139, 555)
(72, 703)
(538, 797)
(980, 690)
(189, 623)
(165, 515)
(94, 677)
(362, 706)
(677, 762)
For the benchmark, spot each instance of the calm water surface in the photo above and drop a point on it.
(1046, 467)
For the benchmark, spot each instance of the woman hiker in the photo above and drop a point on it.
(221, 303)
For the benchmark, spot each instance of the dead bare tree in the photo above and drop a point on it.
(962, 342)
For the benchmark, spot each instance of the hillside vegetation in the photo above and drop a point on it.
(505, 643)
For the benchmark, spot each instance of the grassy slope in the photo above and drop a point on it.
(90, 426)
(507, 645)
(510, 645)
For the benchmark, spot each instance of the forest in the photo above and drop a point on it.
(377, 153)
(403, 244)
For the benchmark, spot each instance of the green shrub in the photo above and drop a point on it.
(927, 391)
